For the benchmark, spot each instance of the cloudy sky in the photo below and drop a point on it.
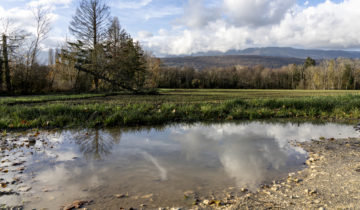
(174, 27)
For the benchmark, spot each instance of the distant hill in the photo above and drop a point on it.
(201, 62)
(287, 52)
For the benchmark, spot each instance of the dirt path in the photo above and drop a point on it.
(332, 180)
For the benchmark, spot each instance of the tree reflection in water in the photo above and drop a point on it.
(97, 144)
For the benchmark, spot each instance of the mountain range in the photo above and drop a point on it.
(271, 57)
(286, 52)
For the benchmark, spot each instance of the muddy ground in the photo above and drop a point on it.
(331, 180)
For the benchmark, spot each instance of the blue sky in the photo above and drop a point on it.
(188, 26)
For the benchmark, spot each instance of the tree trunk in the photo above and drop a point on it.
(1, 74)
(102, 77)
(6, 64)
(96, 81)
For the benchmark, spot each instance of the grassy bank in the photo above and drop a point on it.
(177, 106)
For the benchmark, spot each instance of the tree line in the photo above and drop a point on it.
(104, 57)
(333, 74)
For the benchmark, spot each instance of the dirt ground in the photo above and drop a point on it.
(331, 180)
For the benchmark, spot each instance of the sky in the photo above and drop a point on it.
(182, 27)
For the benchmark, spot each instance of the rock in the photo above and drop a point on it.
(274, 188)
(216, 202)
(120, 195)
(17, 163)
(248, 195)
(75, 204)
(267, 192)
(244, 190)
(45, 189)
(147, 196)
(188, 193)
(7, 191)
(24, 189)
(206, 202)
(3, 184)
(31, 140)
(310, 192)
(316, 201)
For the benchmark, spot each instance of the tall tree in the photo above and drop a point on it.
(309, 62)
(126, 58)
(1, 72)
(11, 38)
(90, 22)
(90, 25)
(43, 27)
(6, 63)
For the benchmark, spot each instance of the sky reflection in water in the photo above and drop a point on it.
(176, 158)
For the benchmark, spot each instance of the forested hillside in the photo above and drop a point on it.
(202, 62)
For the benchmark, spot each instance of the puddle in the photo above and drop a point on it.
(175, 166)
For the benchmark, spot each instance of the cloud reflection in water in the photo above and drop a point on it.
(250, 153)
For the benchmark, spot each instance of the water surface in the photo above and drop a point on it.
(155, 167)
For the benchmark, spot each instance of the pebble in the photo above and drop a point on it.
(6, 191)
(147, 196)
(244, 190)
(120, 195)
(24, 189)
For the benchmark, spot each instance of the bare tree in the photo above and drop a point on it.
(116, 35)
(90, 23)
(43, 27)
(89, 26)
(11, 39)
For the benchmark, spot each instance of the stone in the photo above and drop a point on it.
(120, 195)
(244, 190)
(24, 189)
(267, 192)
(274, 188)
(75, 204)
(7, 191)
(316, 201)
(189, 192)
(31, 140)
(147, 196)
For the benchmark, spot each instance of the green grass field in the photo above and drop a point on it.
(122, 109)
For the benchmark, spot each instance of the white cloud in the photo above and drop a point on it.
(144, 34)
(135, 4)
(197, 15)
(261, 23)
(257, 13)
(50, 3)
(151, 13)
